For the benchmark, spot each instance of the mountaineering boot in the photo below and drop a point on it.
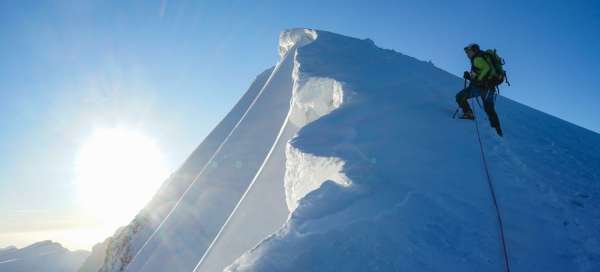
(499, 131)
(467, 115)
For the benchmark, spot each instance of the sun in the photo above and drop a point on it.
(117, 172)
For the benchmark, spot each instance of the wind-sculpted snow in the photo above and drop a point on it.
(313, 98)
(295, 38)
(414, 196)
(262, 208)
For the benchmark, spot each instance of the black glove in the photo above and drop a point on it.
(467, 75)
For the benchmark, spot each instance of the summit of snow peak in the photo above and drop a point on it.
(295, 37)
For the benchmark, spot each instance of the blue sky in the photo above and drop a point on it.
(173, 69)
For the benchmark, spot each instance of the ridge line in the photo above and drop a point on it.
(206, 164)
(258, 173)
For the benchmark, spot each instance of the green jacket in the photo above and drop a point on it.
(480, 67)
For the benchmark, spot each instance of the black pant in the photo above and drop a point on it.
(488, 102)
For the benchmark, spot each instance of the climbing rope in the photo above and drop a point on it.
(494, 200)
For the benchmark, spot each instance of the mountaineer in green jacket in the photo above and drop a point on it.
(480, 86)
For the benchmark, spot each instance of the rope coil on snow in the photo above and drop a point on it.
(494, 200)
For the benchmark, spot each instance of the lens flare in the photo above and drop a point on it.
(117, 172)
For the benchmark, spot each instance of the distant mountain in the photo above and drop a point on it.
(7, 250)
(45, 256)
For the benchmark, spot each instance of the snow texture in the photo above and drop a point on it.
(44, 256)
(344, 157)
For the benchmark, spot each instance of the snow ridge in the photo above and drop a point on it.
(290, 40)
(213, 190)
(313, 97)
(208, 163)
(295, 42)
(376, 176)
(127, 241)
(387, 181)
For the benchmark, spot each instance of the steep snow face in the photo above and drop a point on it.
(248, 223)
(199, 220)
(44, 256)
(388, 181)
(127, 242)
(313, 98)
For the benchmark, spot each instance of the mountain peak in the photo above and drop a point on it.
(344, 157)
(41, 256)
(44, 244)
(295, 37)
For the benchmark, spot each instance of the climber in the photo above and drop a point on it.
(480, 85)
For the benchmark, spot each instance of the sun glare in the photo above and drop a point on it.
(117, 172)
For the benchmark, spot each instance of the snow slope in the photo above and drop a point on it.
(220, 184)
(129, 240)
(344, 157)
(418, 198)
(44, 256)
(201, 203)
